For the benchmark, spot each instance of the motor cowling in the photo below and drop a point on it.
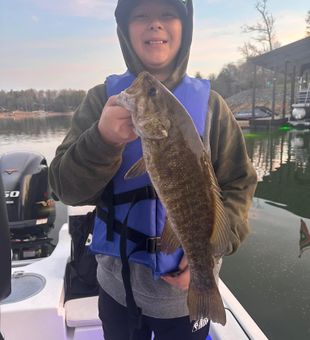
(27, 194)
(5, 250)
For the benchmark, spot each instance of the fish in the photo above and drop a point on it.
(304, 240)
(182, 174)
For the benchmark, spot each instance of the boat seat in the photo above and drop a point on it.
(82, 312)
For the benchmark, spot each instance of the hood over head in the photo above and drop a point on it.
(185, 8)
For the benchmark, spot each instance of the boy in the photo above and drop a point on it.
(101, 145)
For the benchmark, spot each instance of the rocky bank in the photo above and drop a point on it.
(243, 100)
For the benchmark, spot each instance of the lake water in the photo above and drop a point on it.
(266, 274)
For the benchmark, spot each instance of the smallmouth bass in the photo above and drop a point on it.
(183, 177)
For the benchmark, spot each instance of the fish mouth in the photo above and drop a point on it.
(126, 101)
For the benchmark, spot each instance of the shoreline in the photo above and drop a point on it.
(32, 114)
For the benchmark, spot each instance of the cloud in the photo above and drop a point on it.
(290, 26)
(214, 45)
(34, 18)
(83, 61)
(60, 43)
(79, 62)
(102, 9)
(210, 2)
(52, 74)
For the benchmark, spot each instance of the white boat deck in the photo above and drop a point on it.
(45, 316)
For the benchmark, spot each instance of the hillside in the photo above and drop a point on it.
(243, 100)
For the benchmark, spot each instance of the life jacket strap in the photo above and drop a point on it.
(108, 200)
(143, 241)
(105, 211)
(134, 312)
(140, 194)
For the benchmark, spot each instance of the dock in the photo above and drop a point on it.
(262, 122)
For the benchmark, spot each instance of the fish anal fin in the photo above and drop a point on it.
(169, 241)
(206, 303)
(220, 237)
(136, 170)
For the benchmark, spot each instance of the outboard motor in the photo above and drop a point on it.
(5, 249)
(30, 207)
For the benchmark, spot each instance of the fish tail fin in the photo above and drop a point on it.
(206, 303)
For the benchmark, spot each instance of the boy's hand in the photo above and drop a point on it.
(115, 124)
(180, 278)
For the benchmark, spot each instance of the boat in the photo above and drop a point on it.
(300, 118)
(301, 108)
(262, 117)
(37, 307)
(260, 112)
(300, 124)
(268, 122)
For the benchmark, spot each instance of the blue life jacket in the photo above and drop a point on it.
(145, 218)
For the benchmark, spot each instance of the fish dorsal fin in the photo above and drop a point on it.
(220, 237)
(136, 170)
(169, 240)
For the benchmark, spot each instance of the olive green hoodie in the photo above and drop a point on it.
(132, 62)
(84, 164)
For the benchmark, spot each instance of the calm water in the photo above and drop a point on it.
(41, 135)
(266, 274)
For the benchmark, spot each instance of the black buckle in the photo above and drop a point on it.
(153, 244)
(151, 193)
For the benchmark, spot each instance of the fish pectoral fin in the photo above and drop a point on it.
(136, 170)
(169, 241)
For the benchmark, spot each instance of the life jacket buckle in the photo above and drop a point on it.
(153, 244)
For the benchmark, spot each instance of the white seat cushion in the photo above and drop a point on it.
(82, 312)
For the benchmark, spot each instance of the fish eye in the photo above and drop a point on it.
(152, 92)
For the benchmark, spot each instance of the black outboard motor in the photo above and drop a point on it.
(5, 249)
(30, 207)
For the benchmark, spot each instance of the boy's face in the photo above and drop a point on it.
(155, 32)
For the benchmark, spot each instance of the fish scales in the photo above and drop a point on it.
(192, 212)
(182, 175)
(181, 187)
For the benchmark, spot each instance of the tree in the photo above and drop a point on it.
(198, 75)
(308, 23)
(264, 32)
(249, 50)
(49, 100)
(226, 82)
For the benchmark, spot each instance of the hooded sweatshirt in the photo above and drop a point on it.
(84, 164)
(132, 62)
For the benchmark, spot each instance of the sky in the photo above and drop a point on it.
(62, 44)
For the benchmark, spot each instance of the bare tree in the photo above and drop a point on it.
(249, 50)
(308, 23)
(264, 32)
